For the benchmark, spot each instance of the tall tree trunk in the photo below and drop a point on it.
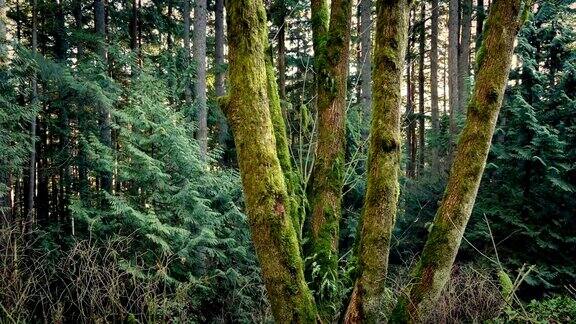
(134, 27)
(42, 166)
(186, 38)
(169, 39)
(77, 11)
(265, 193)
(4, 162)
(464, 57)
(219, 65)
(105, 117)
(200, 17)
(433, 270)
(29, 197)
(453, 41)
(421, 80)
(281, 23)
(379, 213)
(60, 42)
(327, 177)
(480, 16)
(410, 121)
(366, 56)
(291, 178)
(435, 159)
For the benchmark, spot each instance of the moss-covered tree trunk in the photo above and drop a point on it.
(331, 56)
(293, 185)
(433, 270)
(379, 211)
(267, 205)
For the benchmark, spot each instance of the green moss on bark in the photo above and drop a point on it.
(380, 204)
(264, 187)
(433, 270)
(282, 147)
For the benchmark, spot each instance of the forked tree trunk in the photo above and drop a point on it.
(433, 269)
(267, 205)
(332, 50)
(379, 211)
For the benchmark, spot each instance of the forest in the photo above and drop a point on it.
(288, 161)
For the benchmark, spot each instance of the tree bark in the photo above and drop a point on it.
(219, 65)
(366, 56)
(433, 269)
(464, 57)
(435, 158)
(381, 199)
(200, 17)
(332, 50)
(247, 109)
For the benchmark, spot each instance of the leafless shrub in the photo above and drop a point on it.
(88, 283)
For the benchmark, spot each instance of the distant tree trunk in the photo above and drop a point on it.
(4, 163)
(83, 185)
(433, 270)
(264, 189)
(169, 39)
(60, 43)
(42, 193)
(480, 16)
(219, 64)
(281, 23)
(464, 57)
(365, 7)
(134, 27)
(63, 130)
(435, 159)
(327, 178)
(453, 40)
(105, 118)
(200, 17)
(186, 38)
(410, 122)
(29, 197)
(77, 11)
(379, 213)
(421, 80)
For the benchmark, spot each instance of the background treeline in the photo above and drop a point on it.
(119, 191)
